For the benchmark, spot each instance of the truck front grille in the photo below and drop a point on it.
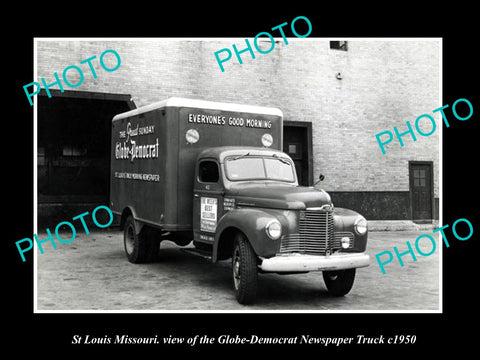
(315, 234)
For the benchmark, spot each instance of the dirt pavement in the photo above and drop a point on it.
(92, 273)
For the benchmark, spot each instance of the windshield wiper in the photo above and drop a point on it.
(281, 159)
(240, 156)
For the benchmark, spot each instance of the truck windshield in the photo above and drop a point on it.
(259, 168)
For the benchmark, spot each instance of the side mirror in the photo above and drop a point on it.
(320, 178)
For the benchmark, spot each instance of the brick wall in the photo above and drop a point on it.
(384, 84)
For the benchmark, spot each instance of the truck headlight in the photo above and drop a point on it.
(274, 229)
(360, 226)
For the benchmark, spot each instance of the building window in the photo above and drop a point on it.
(338, 45)
(73, 151)
(419, 177)
(41, 156)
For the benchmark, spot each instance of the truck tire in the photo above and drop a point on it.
(141, 247)
(339, 282)
(244, 269)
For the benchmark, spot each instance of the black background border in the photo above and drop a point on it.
(52, 333)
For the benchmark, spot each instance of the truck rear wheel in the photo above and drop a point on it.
(339, 282)
(244, 268)
(141, 247)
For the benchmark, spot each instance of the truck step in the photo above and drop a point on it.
(202, 253)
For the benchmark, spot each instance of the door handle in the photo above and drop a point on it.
(196, 195)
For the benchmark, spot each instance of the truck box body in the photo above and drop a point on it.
(154, 149)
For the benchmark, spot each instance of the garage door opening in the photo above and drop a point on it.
(73, 152)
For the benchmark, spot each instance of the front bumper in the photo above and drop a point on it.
(301, 263)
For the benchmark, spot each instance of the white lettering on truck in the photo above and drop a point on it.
(222, 120)
(130, 149)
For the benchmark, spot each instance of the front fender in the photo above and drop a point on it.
(251, 222)
(344, 221)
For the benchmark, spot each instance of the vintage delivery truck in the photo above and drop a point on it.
(213, 173)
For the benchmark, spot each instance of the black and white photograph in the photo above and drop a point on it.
(287, 174)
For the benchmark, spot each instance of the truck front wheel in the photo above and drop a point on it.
(244, 268)
(339, 282)
(141, 247)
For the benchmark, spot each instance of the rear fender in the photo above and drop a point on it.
(129, 211)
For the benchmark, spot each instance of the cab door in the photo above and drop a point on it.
(208, 195)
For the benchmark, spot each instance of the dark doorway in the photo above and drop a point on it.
(73, 151)
(421, 190)
(297, 143)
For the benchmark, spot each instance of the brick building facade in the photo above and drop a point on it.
(335, 97)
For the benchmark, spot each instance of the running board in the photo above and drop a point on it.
(197, 252)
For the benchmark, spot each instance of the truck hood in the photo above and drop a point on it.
(278, 196)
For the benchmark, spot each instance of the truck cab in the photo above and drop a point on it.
(248, 207)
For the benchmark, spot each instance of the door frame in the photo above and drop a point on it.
(308, 127)
(411, 164)
(206, 189)
(82, 95)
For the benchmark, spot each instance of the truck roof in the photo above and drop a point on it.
(201, 104)
(221, 152)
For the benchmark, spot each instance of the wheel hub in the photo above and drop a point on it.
(236, 269)
(129, 240)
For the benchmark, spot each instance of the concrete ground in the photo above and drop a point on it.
(92, 273)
